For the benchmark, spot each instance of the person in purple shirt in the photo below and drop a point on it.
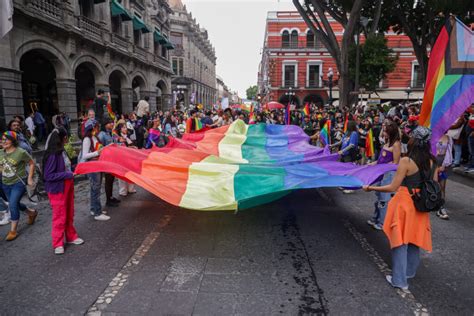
(59, 183)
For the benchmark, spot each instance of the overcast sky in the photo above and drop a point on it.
(236, 29)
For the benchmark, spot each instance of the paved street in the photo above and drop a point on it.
(308, 253)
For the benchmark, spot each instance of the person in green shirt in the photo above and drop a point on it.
(13, 162)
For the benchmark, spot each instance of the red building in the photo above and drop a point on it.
(294, 61)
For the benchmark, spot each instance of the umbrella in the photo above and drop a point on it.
(274, 105)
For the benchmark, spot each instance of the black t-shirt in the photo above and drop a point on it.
(98, 106)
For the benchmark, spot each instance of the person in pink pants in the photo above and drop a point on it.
(59, 183)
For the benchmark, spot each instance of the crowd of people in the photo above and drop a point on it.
(360, 135)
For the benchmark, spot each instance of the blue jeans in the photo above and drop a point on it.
(14, 193)
(405, 262)
(95, 182)
(457, 154)
(470, 142)
(382, 199)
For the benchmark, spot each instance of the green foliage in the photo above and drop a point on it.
(69, 148)
(376, 61)
(252, 92)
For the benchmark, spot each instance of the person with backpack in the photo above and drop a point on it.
(59, 183)
(13, 163)
(91, 148)
(407, 223)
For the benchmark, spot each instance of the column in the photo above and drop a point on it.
(152, 95)
(11, 95)
(127, 100)
(67, 100)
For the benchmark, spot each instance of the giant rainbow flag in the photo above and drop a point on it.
(233, 167)
(449, 88)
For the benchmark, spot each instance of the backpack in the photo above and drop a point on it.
(428, 198)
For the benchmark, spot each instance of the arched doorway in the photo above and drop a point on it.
(85, 87)
(314, 98)
(38, 82)
(138, 86)
(285, 99)
(161, 92)
(116, 80)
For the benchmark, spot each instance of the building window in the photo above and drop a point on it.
(310, 39)
(416, 76)
(137, 37)
(285, 39)
(313, 75)
(164, 52)
(175, 65)
(294, 39)
(178, 66)
(289, 76)
(87, 8)
(176, 39)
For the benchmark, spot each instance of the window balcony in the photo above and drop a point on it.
(48, 10)
(90, 28)
(120, 42)
(417, 83)
(141, 53)
(301, 45)
(289, 84)
(314, 83)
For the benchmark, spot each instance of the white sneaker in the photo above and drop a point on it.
(347, 191)
(5, 220)
(123, 194)
(102, 217)
(77, 241)
(59, 250)
(389, 280)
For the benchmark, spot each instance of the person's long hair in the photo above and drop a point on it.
(55, 144)
(393, 133)
(351, 127)
(420, 152)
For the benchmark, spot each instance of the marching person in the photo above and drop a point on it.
(91, 149)
(122, 138)
(106, 138)
(408, 229)
(444, 157)
(13, 162)
(390, 153)
(59, 183)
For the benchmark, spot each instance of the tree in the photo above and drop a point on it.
(376, 61)
(346, 13)
(421, 21)
(252, 92)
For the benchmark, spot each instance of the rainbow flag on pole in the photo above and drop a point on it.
(232, 167)
(449, 88)
(325, 135)
(306, 110)
(346, 122)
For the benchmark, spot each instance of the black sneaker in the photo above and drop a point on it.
(114, 200)
(111, 204)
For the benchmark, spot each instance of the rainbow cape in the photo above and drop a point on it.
(449, 88)
(369, 144)
(325, 135)
(232, 167)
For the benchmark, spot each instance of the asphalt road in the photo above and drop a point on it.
(308, 253)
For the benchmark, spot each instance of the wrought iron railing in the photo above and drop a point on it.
(313, 83)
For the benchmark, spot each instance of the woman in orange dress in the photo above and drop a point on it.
(407, 229)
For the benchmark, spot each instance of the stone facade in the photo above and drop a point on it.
(60, 52)
(193, 60)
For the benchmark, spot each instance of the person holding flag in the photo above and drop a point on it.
(325, 134)
(390, 153)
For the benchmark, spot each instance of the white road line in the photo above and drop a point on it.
(417, 307)
(121, 278)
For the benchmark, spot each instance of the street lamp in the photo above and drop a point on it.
(408, 92)
(330, 83)
(364, 22)
(290, 94)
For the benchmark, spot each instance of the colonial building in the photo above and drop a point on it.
(60, 52)
(295, 64)
(222, 89)
(193, 60)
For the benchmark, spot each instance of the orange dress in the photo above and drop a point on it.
(404, 224)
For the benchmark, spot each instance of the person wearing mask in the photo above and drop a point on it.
(122, 138)
(91, 148)
(390, 153)
(59, 183)
(23, 143)
(406, 228)
(13, 162)
(106, 138)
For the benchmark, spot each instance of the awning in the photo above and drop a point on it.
(159, 37)
(117, 9)
(139, 25)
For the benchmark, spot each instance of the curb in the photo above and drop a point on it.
(461, 172)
